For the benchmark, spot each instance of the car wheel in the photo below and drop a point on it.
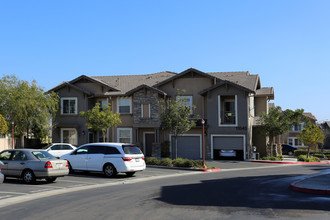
(109, 170)
(50, 179)
(290, 153)
(28, 176)
(70, 168)
(130, 173)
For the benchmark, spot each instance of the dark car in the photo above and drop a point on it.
(288, 149)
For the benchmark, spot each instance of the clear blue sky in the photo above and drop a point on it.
(286, 42)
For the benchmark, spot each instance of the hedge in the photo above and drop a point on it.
(179, 162)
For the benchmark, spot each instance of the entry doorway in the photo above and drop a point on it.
(149, 139)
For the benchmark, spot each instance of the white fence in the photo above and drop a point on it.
(5, 143)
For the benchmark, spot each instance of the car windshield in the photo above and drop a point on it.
(43, 155)
(131, 149)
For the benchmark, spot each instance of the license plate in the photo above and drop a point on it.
(59, 165)
(137, 160)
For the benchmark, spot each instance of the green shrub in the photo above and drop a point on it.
(152, 161)
(279, 158)
(179, 162)
(166, 162)
(198, 163)
(304, 158)
(297, 153)
(320, 155)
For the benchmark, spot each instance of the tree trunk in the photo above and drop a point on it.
(21, 135)
(176, 147)
(103, 132)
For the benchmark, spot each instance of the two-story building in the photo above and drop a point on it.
(228, 101)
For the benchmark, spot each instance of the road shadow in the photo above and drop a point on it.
(98, 175)
(250, 192)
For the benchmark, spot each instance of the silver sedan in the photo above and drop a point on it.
(32, 164)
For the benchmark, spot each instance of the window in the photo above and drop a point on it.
(227, 106)
(295, 142)
(297, 127)
(5, 155)
(124, 105)
(69, 106)
(69, 135)
(66, 147)
(19, 155)
(124, 135)
(186, 100)
(82, 150)
(131, 149)
(111, 150)
(100, 136)
(96, 150)
(56, 147)
(145, 110)
(103, 103)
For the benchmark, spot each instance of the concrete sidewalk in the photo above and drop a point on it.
(319, 184)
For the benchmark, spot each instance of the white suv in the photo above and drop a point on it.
(109, 158)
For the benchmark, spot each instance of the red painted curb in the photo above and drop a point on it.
(293, 186)
(210, 170)
(282, 162)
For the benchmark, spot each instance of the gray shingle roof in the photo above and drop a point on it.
(265, 91)
(242, 78)
(126, 83)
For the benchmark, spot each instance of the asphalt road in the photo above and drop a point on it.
(240, 193)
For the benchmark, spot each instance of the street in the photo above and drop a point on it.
(241, 193)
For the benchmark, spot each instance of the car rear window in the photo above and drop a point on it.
(131, 149)
(42, 155)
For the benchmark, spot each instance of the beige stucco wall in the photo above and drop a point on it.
(192, 86)
(261, 105)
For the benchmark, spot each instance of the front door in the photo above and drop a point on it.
(149, 140)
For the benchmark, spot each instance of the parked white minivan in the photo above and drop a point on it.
(109, 158)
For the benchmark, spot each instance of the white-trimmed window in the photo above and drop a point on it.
(145, 110)
(186, 100)
(69, 106)
(124, 105)
(227, 110)
(124, 135)
(103, 103)
(295, 142)
(69, 135)
(298, 127)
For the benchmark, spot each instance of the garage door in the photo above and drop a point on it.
(221, 143)
(228, 143)
(188, 147)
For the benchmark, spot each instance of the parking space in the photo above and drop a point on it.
(14, 187)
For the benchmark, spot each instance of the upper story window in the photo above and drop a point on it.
(297, 127)
(227, 110)
(103, 103)
(186, 100)
(124, 105)
(145, 110)
(294, 141)
(69, 106)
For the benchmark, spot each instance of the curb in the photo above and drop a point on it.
(283, 162)
(294, 187)
(188, 169)
(210, 170)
